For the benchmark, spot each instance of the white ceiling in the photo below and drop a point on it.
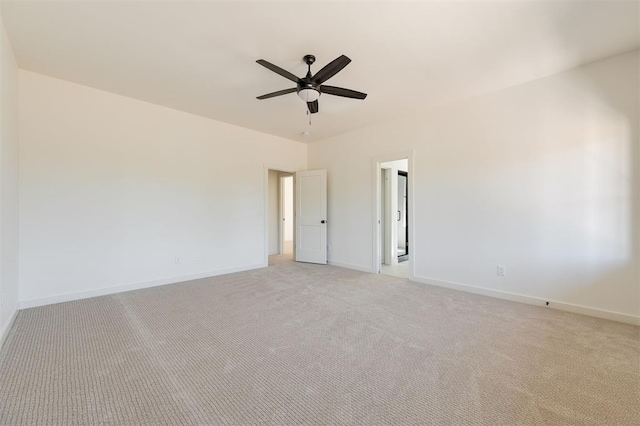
(200, 57)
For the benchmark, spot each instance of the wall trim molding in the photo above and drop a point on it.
(67, 297)
(351, 266)
(530, 300)
(4, 332)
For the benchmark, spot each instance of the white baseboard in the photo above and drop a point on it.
(24, 304)
(350, 266)
(4, 332)
(577, 309)
(598, 313)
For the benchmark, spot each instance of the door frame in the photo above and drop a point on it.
(406, 236)
(384, 215)
(376, 209)
(265, 207)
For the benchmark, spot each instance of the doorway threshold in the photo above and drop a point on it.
(277, 259)
(400, 270)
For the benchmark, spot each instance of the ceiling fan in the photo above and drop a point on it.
(310, 87)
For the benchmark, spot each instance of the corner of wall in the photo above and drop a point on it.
(6, 326)
(8, 184)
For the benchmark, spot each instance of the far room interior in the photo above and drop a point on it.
(393, 191)
(281, 215)
(350, 212)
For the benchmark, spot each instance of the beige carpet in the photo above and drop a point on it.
(307, 344)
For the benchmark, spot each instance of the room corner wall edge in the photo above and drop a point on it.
(105, 291)
(530, 300)
(4, 332)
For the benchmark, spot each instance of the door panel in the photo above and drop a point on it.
(311, 214)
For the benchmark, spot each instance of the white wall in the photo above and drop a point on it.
(274, 212)
(113, 189)
(542, 178)
(8, 183)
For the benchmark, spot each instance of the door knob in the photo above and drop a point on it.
(323, 221)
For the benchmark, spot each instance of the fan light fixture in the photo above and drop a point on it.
(310, 87)
(309, 95)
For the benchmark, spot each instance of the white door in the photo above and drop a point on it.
(311, 216)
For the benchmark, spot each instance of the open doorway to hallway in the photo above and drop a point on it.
(394, 218)
(280, 216)
(286, 214)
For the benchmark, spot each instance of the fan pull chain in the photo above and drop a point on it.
(309, 117)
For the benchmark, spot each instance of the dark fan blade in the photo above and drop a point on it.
(278, 93)
(313, 107)
(345, 93)
(278, 70)
(331, 69)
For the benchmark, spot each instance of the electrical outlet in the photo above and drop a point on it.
(501, 271)
(177, 260)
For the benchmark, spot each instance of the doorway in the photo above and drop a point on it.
(394, 252)
(280, 217)
(295, 219)
(286, 214)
